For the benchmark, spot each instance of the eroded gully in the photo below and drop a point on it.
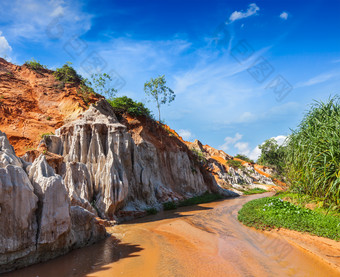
(203, 240)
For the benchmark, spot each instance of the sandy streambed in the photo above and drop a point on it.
(204, 240)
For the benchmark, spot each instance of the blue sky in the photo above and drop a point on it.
(243, 71)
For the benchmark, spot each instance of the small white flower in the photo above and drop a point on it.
(264, 209)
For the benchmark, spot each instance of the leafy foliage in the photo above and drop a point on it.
(272, 155)
(67, 74)
(101, 84)
(125, 104)
(35, 65)
(234, 163)
(254, 191)
(313, 153)
(161, 94)
(273, 212)
(85, 90)
(244, 158)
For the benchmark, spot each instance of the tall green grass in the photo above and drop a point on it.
(313, 153)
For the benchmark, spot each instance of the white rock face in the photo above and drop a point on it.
(7, 154)
(18, 203)
(54, 207)
(36, 220)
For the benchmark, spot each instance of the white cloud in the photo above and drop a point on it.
(185, 134)
(244, 148)
(5, 48)
(236, 15)
(284, 15)
(230, 141)
(255, 153)
(280, 139)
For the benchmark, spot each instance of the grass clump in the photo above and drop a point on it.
(234, 163)
(313, 153)
(254, 191)
(273, 212)
(244, 158)
(35, 65)
(125, 104)
(45, 135)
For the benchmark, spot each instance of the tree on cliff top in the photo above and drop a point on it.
(161, 94)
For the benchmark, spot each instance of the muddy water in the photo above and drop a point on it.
(204, 240)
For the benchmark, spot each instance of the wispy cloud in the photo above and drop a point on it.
(317, 79)
(230, 141)
(247, 117)
(30, 19)
(237, 15)
(336, 61)
(284, 15)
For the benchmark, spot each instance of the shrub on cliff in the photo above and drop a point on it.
(234, 163)
(35, 65)
(125, 104)
(67, 74)
(244, 158)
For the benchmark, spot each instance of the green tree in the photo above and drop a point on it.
(161, 94)
(272, 155)
(100, 82)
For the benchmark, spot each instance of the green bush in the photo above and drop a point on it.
(273, 212)
(169, 205)
(125, 104)
(204, 198)
(272, 155)
(313, 153)
(234, 163)
(151, 211)
(35, 65)
(244, 158)
(67, 74)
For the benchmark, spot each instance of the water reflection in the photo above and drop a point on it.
(83, 261)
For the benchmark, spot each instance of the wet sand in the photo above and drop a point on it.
(203, 240)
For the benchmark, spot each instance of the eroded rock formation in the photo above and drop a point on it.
(36, 220)
(107, 166)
